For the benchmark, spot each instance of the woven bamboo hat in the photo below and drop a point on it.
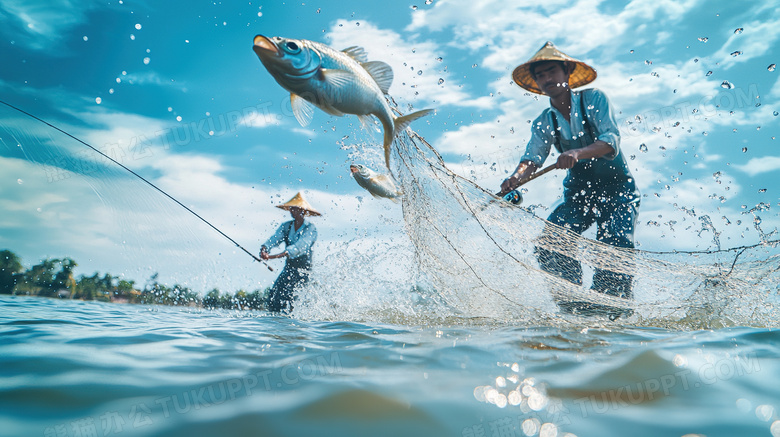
(299, 202)
(582, 74)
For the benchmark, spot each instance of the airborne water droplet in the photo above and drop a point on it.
(473, 65)
(738, 30)
(648, 62)
(744, 150)
(419, 72)
(98, 100)
(19, 181)
(138, 27)
(771, 67)
(709, 73)
(726, 84)
(775, 113)
(439, 59)
(441, 81)
(736, 53)
(703, 38)
(643, 147)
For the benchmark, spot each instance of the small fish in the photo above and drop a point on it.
(379, 185)
(338, 82)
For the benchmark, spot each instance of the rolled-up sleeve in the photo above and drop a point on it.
(538, 147)
(305, 241)
(601, 114)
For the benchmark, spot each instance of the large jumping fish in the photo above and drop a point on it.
(379, 185)
(338, 82)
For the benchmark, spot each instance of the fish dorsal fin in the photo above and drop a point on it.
(302, 109)
(382, 74)
(356, 53)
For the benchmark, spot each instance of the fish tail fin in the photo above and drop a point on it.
(402, 123)
(399, 124)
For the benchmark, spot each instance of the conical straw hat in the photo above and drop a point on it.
(582, 74)
(299, 202)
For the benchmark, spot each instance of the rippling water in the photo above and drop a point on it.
(72, 368)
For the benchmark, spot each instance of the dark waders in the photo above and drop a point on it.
(294, 275)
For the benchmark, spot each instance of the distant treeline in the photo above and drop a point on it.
(54, 278)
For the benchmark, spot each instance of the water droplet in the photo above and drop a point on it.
(146, 60)
(632, 157)
(414, 8)
(138, 27)
(98, 100)
(631, 51)
(709, 73)
(775, 113)
(319, 10)
(473, 65)
(696, 60)
(763, 190)
(703, 38)
(428, 2)
(736, 53)
(439, 59)
(744, 150)
(178, 118)
(85, 38)
(738, 30)
(648, 62)
(643, 147)
(441, 81)
(771, 67)
(19, 181)
(419, 72)
(357, 23)
(260, 14)
(132, 37)
(727, 85)
(705, 133)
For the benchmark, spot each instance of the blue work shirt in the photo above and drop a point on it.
(606, 175)
(300, 241)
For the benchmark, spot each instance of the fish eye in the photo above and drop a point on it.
(291, 46)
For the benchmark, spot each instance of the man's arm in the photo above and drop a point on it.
(523, 170)
(569, 158)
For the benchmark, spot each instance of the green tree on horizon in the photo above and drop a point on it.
(10, 269)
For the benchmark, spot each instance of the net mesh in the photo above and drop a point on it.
(480, 253)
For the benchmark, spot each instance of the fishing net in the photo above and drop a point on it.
(481, 254)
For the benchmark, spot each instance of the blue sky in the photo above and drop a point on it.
(174, 91)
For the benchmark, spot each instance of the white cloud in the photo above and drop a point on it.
(760, 165)
(43, 25)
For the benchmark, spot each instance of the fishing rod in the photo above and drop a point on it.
(141, 178)
(515, 196)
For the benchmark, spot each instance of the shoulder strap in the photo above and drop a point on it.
(556, 132)
(588, 127)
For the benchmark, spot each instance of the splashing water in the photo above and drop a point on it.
(477, 252)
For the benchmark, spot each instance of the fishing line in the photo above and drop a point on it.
(141, 178)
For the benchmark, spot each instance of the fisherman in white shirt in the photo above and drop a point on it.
(298, 236)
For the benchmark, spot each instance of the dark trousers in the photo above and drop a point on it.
(615, 220)
(294, 275)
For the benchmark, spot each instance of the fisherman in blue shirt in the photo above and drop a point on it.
(598, 188)
(298, 236)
